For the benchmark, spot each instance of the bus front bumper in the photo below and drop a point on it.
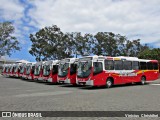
(88, 82)
(64, 81)
(67, 81)
(49, 80)
(40, 78)
(24, 76)
(16, 75)
(30, 78)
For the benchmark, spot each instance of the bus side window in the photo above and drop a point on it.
(143, 66)
(109, 65)
(97, 67)
(149, 66)
(118, 65)
(135, 65)
(127, 65)
(155, 66)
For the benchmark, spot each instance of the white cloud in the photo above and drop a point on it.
(125, 17)
(135, 19)
(11, 9)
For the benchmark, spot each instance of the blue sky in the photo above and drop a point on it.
(134, 19)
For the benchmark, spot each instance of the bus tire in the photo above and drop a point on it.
(143, 80)
(109, 83)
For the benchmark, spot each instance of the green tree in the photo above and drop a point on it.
(8, 42)
(108, 43)
(152, 54)
(133, 48)
(49, 43)
(52, 43)
(79, 44)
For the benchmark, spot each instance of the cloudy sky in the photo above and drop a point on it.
(132, 18)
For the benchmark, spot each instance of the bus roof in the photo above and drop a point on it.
(53, 62)
(69, 60)
(130, 59)
(40, 63)
(95, 57)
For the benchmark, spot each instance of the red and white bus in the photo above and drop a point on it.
(22, 69)
(67, 71)
(100, 70)
(11, 70)
(8, 70)
(38, 71)
(27, 71)
(4, 69)
(17, 70)
(30, 70)
(52, 67)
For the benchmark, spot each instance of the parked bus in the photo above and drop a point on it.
(30, 71)
(25, 73)
(8, 70)
(67, 71)
(17, 70)
(4, 72)
(100, 70)
(38, 71)
(11, 70)
(22, 69)
(52, 68)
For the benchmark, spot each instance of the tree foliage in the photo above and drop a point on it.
(108, 43)
(8, 43)
(49, 43)
(52, 43)
(80, 44)
(152, 54)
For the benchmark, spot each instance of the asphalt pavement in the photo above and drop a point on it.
(24, 95)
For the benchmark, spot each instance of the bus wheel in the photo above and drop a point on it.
(109, 83)
(143, 80)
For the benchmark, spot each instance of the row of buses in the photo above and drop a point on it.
(89, 70)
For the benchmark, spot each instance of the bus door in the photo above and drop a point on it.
(73, 70)
(54, 73)
(98, 73)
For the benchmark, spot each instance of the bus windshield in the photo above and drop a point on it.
(22, 69)
(4, 69)
(37, 70)
(7, 69)
(84, 69)
(46, 70)
(28, 69)
(11, 69)
(63, 69)
(16, 68)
